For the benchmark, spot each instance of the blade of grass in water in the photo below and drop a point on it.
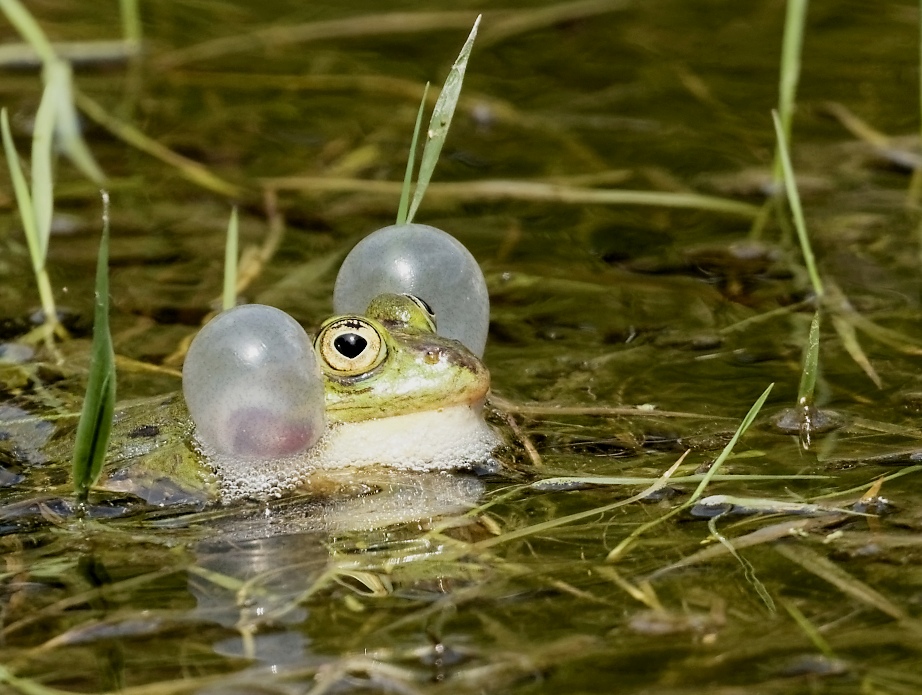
(99, 404)
(619, 550)
(811, 364)
(749, 571)
(229, 297)
(809, 629)
(441, 120)
(408, 176)
(30, 228)
(794, 201)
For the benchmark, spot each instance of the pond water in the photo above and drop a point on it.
(622, 336)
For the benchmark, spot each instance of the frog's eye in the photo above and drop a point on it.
(424, 262)
(350, 346)
(421, 303)
(253, 385)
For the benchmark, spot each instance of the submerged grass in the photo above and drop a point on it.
(618, 552)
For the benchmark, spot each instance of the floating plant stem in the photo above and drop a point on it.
(30, 227)
(99, 404)
(408, 176)
(618, 551)
(796, 210)
(441, 120)
(229, 297)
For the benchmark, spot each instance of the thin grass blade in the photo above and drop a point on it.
(99, 404)
(42, 162)
(791, 48)
(21, 189)
(131, 21)
(849, 338)
(619, 550)
(728, 449)
(58, 73)
(67, 123)
(811, 363)
(26, 25)
(229, 297)
(411, 160)
(441, 120)
(796, 210)
(30, 229)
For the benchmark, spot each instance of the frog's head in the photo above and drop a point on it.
(391, 361)
(257, 387)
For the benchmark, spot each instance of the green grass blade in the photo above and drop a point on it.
(42, 165)
(58, 74)
(809, 629)
(229, 297)
(26, 25)
(67, 123)
(23, 197)
(794, 201)
(619, 550)
(441, 120)
(408, 176)
(791, 48)
(131, 21)
(811, 364)
(30, 229)
(727, 450)
(99, 405)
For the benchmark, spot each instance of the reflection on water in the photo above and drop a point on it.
(256, 567)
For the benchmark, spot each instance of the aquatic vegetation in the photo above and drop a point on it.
(631, 324)
(91, 441)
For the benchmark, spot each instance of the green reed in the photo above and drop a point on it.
(95, 423)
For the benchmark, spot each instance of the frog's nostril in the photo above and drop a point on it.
(350, 345)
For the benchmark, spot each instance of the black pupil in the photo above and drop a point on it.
(350, 345)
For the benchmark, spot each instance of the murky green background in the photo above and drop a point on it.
(595, 308)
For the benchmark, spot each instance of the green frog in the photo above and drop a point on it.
(396, 394)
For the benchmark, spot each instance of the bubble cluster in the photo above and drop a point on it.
(423, 261)
(253, 385)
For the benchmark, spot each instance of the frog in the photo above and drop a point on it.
(397, 395)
